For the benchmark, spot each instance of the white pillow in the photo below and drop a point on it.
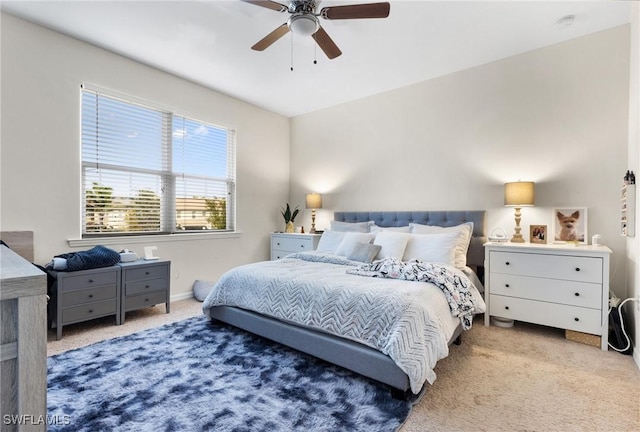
(330, 241)
(465, 230)
(351, 226)
(351, 240)
(392, 244)
(438, 248)
(375, 228)
(363, 252)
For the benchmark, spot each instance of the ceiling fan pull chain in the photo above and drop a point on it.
(315, 50)
(291, 51)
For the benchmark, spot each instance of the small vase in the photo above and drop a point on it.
(289, 228)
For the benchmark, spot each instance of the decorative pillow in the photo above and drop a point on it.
(392, 244)
(465, 230)
(364, 252)
(202, 288)
(330, 241)
(436, 248)
(351, 226)
(375, 228)
(350, 240)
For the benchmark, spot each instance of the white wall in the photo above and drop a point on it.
(557, 116)
(40, 154)
(633, 244)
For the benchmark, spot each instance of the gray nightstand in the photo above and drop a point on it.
(144, 283)
(85, 295)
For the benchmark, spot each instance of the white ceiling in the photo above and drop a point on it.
(209, 42)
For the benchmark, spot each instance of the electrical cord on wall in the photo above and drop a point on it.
(619, 307)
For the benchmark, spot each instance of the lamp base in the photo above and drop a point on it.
(517, 237)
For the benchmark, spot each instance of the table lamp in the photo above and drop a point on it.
(313, 202)
(519, 194)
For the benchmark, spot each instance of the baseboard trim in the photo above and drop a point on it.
(636, 356)
(181, 296)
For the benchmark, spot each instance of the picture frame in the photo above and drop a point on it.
(569, 225)
(538, 234)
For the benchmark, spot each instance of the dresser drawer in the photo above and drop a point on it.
(89, 279)
(146, 272)
(575, 268)
(89, 311)
(295, 244)
(77, 297)
(145, 286)
(584, 320)
(278, 254)
(571, 293)
(145, 300)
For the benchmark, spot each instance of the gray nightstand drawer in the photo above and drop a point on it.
(89, 311)
(144, 286)
(89, 279)
(146, 272)
(145, 300)
(77, 297)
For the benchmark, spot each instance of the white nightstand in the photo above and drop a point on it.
(283, 244)
(562, 286)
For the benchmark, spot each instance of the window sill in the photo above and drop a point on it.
(151, 238)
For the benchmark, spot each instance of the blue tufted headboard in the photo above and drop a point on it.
(475, 255)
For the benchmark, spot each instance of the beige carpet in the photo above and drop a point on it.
(527, 378)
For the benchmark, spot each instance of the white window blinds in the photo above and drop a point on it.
(147, 170)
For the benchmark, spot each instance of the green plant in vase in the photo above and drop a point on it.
(289, 217)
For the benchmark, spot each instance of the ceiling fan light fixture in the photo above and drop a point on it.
(304, 25)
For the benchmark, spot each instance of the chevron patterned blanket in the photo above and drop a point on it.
(453, 283)
(410, 322)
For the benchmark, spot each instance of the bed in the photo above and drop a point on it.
(398, 341)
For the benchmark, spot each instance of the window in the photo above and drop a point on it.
(146, 170)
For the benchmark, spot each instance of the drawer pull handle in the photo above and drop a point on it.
(90, 295)
(506, 285)
(278, 243)
(146, 300)
(577, 268)
(577, 294)
(506, 307)
(90, 280)
(90, 310)
(507, 263)
(576, 319)
(146, 286)
(301, 245)
(146, 273)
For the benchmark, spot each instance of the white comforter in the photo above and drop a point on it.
(409, 321)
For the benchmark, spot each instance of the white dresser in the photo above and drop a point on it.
(562, 286)
(283, 244)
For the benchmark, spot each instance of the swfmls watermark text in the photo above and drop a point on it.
(29, 419)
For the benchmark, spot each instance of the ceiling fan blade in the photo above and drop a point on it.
(326, 43)
(269, 5)
(370, 10)
(266, 41)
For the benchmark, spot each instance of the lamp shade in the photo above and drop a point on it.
(313, 201)
(519, 194)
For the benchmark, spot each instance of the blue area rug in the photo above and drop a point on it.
(194, 375)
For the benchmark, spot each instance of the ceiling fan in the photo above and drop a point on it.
(304, 20)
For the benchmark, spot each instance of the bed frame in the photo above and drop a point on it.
(345, 353)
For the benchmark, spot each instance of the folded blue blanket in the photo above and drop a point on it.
(96, 257)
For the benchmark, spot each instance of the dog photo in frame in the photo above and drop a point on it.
(570, 224)
(538, 234)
